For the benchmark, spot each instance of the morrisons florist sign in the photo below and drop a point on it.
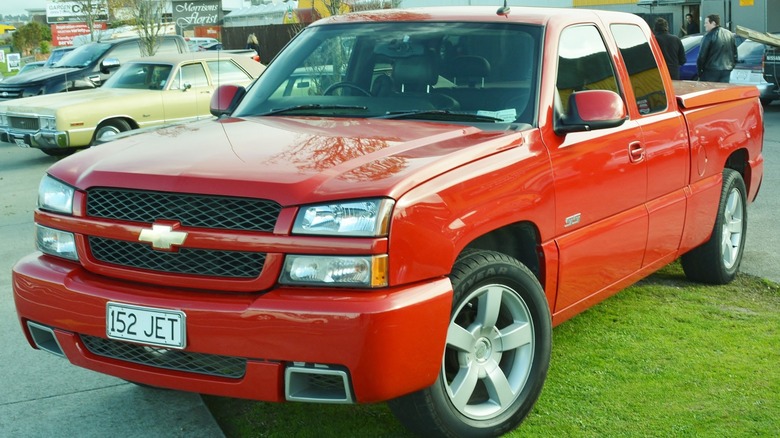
(187, 14)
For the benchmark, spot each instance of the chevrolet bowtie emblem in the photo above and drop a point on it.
(162, 237)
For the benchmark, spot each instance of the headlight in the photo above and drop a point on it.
(369, 217)
(48, 123)
(3, 119)
(56, 242)
(55, 196)
(355, 271)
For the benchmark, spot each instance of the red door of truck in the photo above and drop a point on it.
(601, 221)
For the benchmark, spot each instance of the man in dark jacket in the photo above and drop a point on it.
(671, 47)
(718, 52)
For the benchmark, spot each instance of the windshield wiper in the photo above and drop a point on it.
(313, 106)
(440, 115)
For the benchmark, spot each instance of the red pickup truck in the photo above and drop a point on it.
(400, 209)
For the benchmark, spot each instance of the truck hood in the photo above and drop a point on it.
(289, 160)
(39, 75)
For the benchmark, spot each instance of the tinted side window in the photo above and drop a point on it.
(125, 51)
(583, 63)
(194, 75)
(168, 45)
(642, 68)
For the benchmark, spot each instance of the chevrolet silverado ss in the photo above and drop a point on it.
(399, 209)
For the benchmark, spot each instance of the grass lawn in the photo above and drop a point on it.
(663, 358)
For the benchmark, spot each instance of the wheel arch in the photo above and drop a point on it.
(127, 119)
(739, 161)
(519, 240)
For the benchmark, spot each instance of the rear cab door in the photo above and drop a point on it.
(663, 142)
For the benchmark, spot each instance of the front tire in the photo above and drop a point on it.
(109, 129)
(718, 259)
(496, 356)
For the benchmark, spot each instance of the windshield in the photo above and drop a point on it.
(140, 76)
(56, 55)
(83, 56)
(432, 71)
(691, 42)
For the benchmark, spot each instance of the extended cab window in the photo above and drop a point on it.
(642, 68)
(583, 63)
(168, 45)
(125, 51)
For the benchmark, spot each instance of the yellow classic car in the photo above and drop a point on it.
(142, 93)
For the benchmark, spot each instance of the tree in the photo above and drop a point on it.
(148, 17)
(92, 11)
(29, 37)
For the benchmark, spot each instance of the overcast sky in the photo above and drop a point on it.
(19, 6)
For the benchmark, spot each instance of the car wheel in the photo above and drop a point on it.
(59, 152)
(717, 260)
(496, 356)
(109, 129)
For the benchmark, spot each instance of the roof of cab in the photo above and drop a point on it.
(530, 15)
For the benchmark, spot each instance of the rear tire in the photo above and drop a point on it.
(496, 357)
(718, 259)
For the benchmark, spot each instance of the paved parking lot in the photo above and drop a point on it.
(42, 395)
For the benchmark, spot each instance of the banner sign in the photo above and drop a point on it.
(73, 12)
(190, 13)
(62, 34)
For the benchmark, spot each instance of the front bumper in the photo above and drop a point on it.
(390, 342)
(36, 139)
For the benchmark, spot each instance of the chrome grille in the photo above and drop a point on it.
(215, 212)
(10, 93)
(26, 123)
(159, 357)
(229, 264)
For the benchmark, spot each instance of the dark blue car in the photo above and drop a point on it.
(691, 44)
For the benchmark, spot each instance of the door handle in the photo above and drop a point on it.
(636, 152)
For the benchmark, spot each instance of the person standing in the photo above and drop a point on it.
(691, 27)
(718, 52)
(251, 43)
(671, 47)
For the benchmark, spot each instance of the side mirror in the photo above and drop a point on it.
(109, 64)
(225, 99)
(592, 109)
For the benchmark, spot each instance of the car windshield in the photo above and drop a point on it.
(140, 76)
(453, 72)
(84, 55)
(56, 55)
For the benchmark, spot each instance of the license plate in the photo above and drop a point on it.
(146, 325)
(20, 142)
